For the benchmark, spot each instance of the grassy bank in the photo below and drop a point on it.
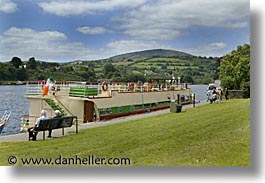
(209, 135)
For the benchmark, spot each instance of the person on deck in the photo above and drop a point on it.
(57, 115)
(226, 94)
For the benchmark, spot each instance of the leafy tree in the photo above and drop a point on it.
(12, 73)
(68, 69)
(134, 77)
(4, 73)
(83, 74)
(32, 63)
(187, 79)
(235, 69)
(108, 70)
(22, 74)
(16, 61)
(41, 77)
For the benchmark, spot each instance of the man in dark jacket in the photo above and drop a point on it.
(57, 115)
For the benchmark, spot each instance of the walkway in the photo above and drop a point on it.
(58, 132)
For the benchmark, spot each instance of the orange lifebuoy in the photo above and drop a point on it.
(131, 86)
(105, 86)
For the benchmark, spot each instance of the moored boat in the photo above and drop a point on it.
(104, 100)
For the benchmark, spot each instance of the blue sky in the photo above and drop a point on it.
(65, 30)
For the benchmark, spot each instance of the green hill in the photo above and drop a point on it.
(135, 66)
(151, 53)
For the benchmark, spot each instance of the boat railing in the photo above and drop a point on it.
(35, 87)
(98, 89)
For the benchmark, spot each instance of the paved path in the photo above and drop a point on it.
(58, 132)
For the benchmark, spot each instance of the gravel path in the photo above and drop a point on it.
(58, 132)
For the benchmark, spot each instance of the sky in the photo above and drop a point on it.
(68, 30)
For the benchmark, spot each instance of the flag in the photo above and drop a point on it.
(46, 87)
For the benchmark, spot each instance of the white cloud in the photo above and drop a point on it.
(79, 7)
(218, 46)
(7, 6)
(167, 19)
(17, 35)
(46, 45)
(54, 46)
(210, 49)
(153, 33)
(91, 30)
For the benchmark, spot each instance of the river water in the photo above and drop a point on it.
(12, 98)
(200, 92)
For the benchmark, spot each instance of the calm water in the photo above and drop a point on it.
(200, 92)
(12, 98)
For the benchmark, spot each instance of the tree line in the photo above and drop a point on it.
(235, 70)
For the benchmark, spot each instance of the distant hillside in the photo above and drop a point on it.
(151, 53)
(160, 63)
(136, 66)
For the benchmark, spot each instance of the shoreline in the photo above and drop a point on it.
(12, 84)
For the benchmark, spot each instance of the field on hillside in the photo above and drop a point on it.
(209, 135)
(191, 69)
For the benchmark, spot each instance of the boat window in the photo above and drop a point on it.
(138, 107)
(147, 106)
(182, 98)
(108, 110)
(154, 105)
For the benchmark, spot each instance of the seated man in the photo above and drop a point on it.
(33, 131)
(57, 115)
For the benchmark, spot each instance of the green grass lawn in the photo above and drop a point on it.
(209, 135)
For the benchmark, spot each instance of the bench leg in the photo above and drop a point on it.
(76, 126)
(43, 135)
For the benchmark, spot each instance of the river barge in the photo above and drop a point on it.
(104, 100)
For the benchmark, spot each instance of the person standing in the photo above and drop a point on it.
(221, 95)
(193, 99)
(226, 94)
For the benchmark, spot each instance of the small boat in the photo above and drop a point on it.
(4, 120)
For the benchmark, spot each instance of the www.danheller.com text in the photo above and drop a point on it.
(76, 160)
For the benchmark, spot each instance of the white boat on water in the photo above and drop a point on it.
(104, 100)
(4, 120)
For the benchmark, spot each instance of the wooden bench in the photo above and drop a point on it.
(56, 123)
